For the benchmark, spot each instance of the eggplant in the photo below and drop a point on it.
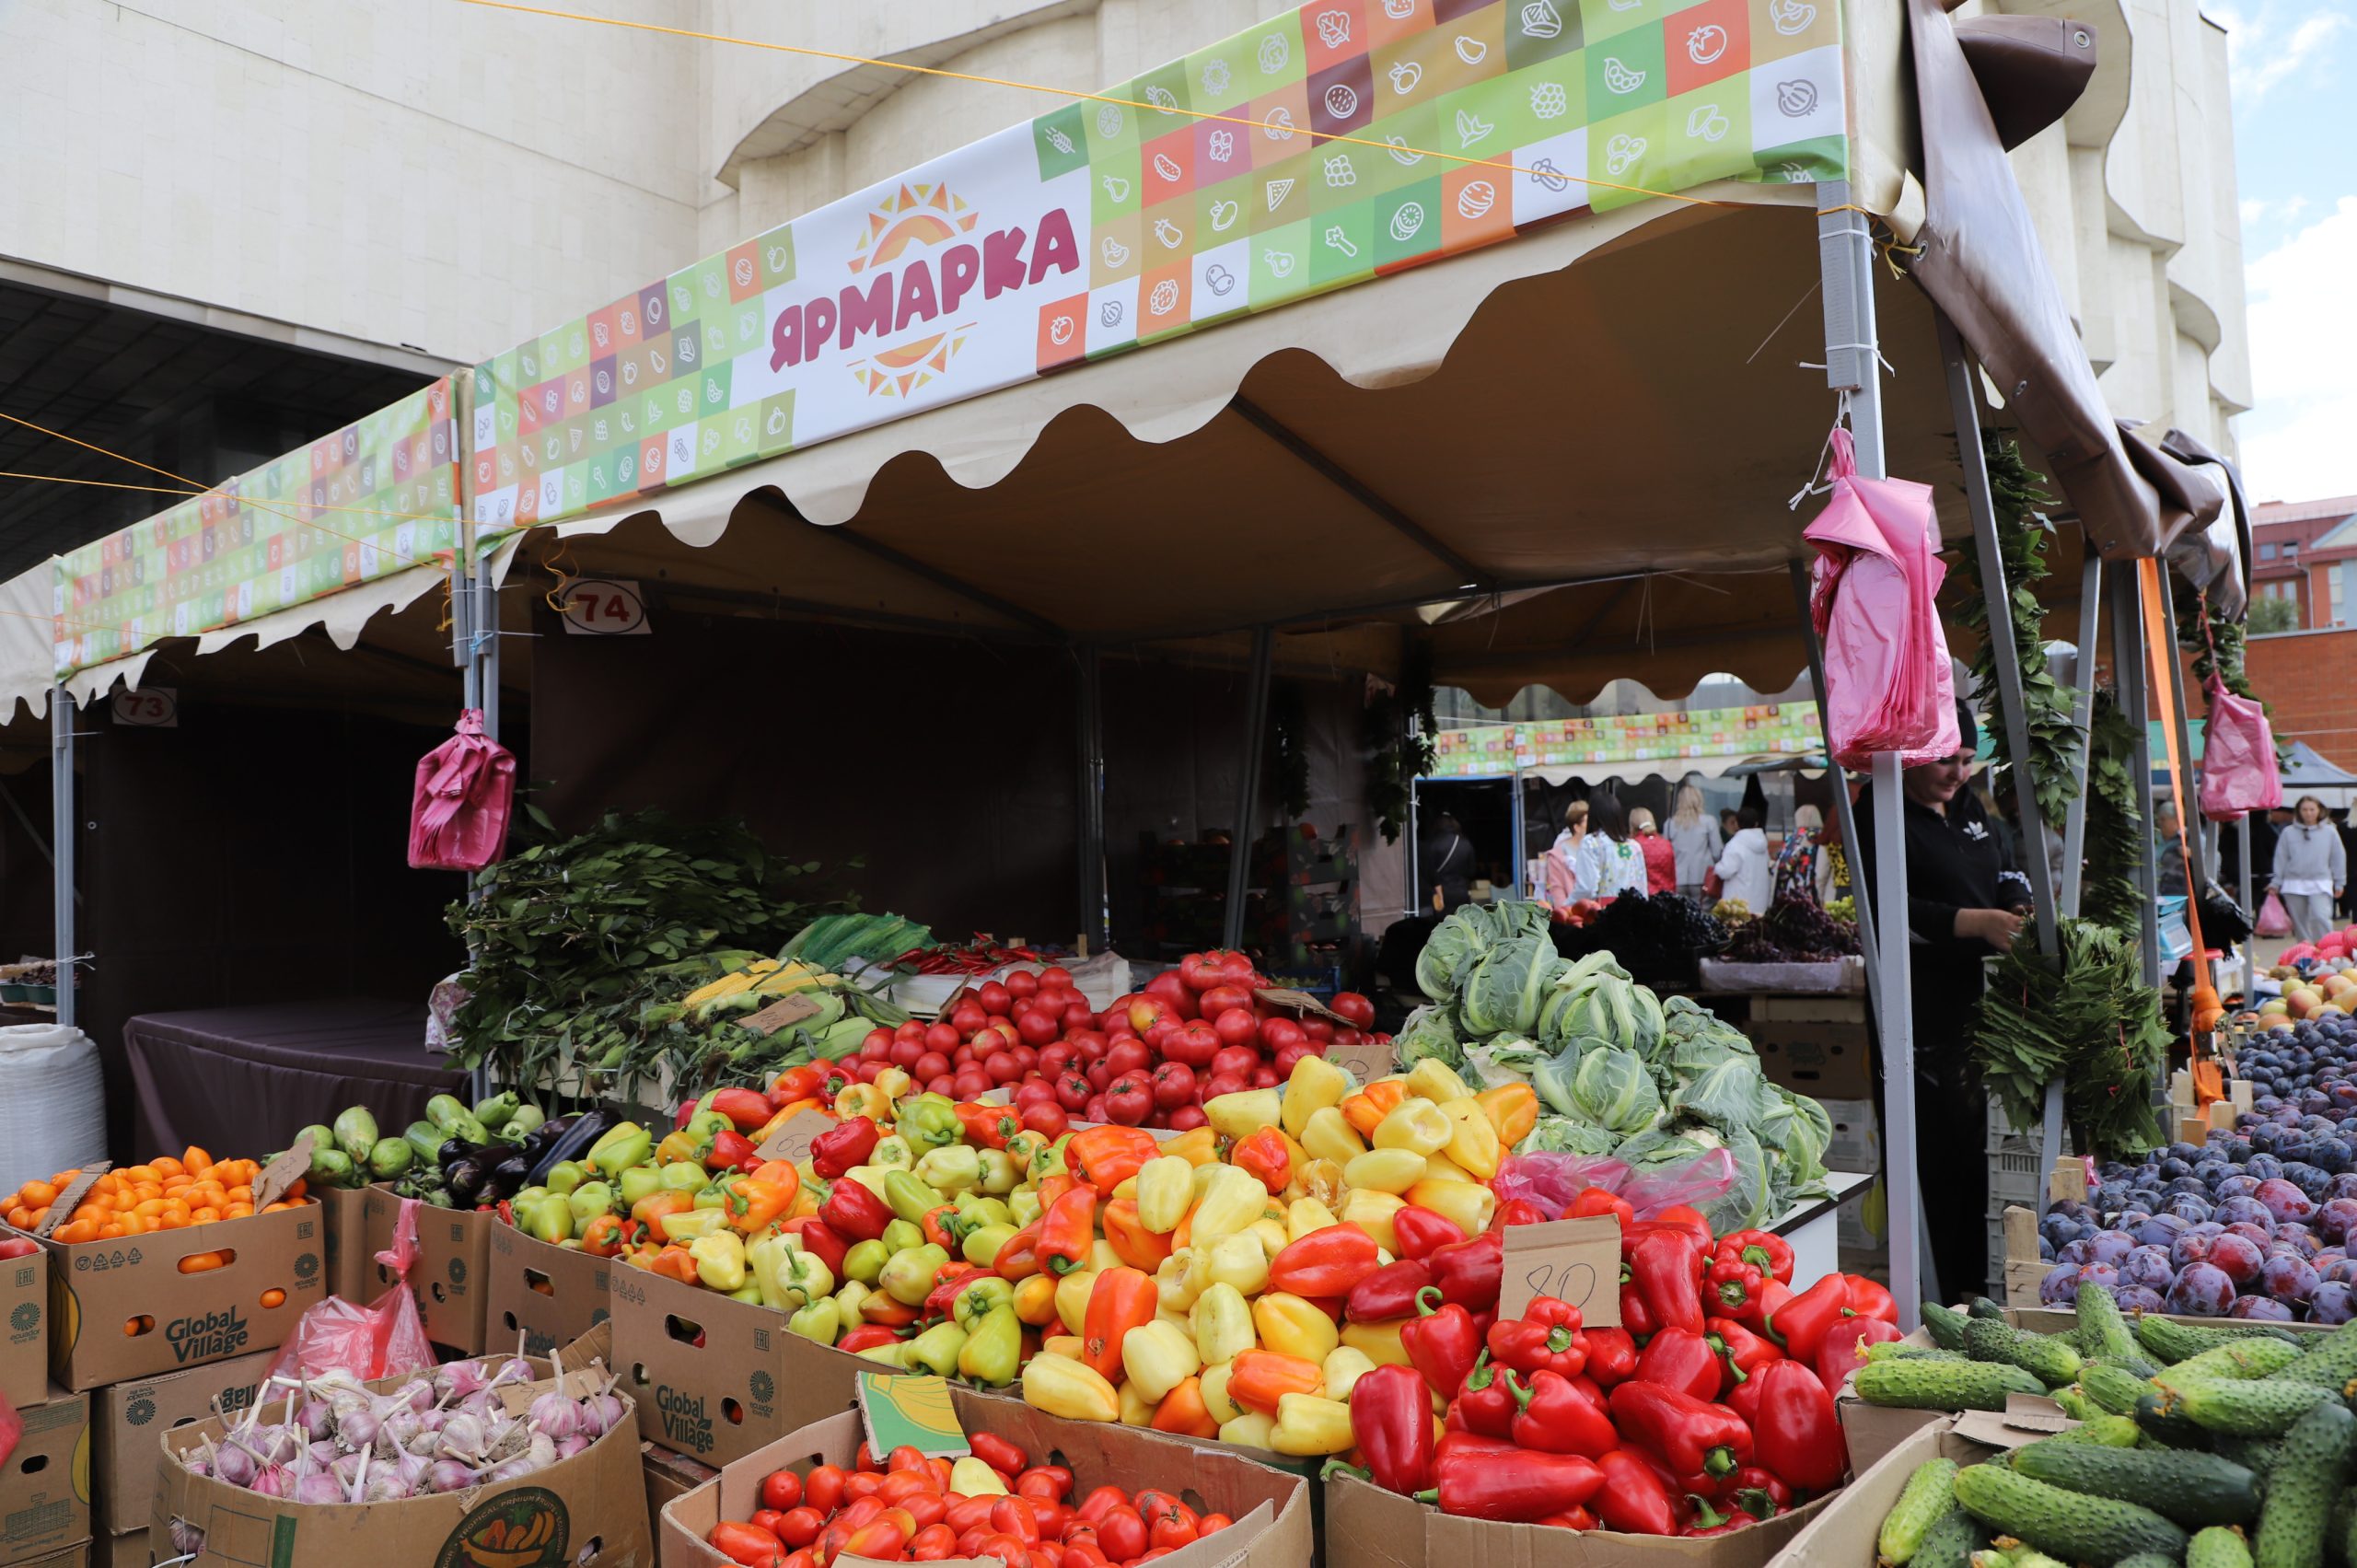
(456, 1149)
(573, 1141)
(463, 1177)
(505, 1180)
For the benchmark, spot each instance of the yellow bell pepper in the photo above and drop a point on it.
(1241, 1114)
(1241, 1260)
(1418, 1126)
(972, 1477)
(1329, 1137)
(1385, 1170)
(1072, 1345)
(1249, 1430)
(1268, 1230)
(1198, 1146)
(1166, 1188)
(720, 1260)
(1035, 1300)
(1305, 1215)
(1309, 1425)
(1440, 1168)
(1135, 1410)
(1378, 1342)
(1345, 1365)
(864, 1099)
(1176, 1319)
(1223, 1325)
(893, 1355)
(1072, 1299)
(1156, 1357)
(1474, 1143)
(1315, 1086)
(1513, 1109)
(1231, 1200)
(1062, 1386)
(1470, 1204)
(895, 1082)
(1291, 1324)
(1436, 1080)
(1371, 1210)
(1213, 1384)
(1178, 1280)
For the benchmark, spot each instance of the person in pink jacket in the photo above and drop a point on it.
(1661, 857)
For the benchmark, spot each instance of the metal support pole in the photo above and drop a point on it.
(1091, 751)
(1247, 786)
(2250, 943)
(2082, 708)
(2135, 704)
(486, 641)
(2188, 787)
(1843, 810)
(61, 837)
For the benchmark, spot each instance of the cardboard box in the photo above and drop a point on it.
(453, 1258)
(99, 1288)
(123, 1551)
(1856, 1144)
(1827, 1060)
(589, 1511)
(74, 1556)
(129, 1417)
(24, 1328)
(45, 1486)
(351, 1273)
(1270, 1507)
(668, 1475)
(1843, 1534)
(748, 1383)
(551, 1295)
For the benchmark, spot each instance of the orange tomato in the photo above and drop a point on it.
(75, 1231)
(203, 1216)
(237, 1211)
(167, 1165)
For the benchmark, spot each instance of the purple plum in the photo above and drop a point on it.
(2334, 1302)
(2258, 1236)
(2059, 1287)
(2112, 1246)
(2138, 1298)
(2336, 1217)
(2147, 1266)
(2203, 1290)
(2241, 1210)
(2284, 1201)
(2237, 1257)
(2264, 1308)
(2191, 1247)
(2288, 1279)
(2100, 1274)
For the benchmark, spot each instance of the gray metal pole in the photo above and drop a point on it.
(2250, 943)
(1091, 785)
(2188, 786)
(486, 641)
(1247, 786)
(2135, 703)
(1843, 810)
(2075, 818)
(61, 835)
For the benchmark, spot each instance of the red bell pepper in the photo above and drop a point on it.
(1442, 1343)
(747, 1110)
(1545, 1338)
(868, 1336)
(1589, 1202)
(1758, 1491)
(1771, 1253)
(1679, 1359)
(1477, 1479)
(1632, 1499)
(1265, 1156)
(1667, 1269)
(1731, 1288)
(1517, 1210)
(1692, 1437)
(1868, 1298)
(1068, 1230)
(1389, 1292)
(1800, 1325)
(1686, 1218)
(854, 1213)
(843, 1147)
(1557, 1416)
(1391, 1422)
(1469, 1274)
(1636, 1312)
(1799, 1436)
(1328, 1261)
(1611, 1355)
(1710, 1521)
(1486, 1407)
(818, 1240)
(1742, 1352)
(1420, 1231)
(1844, 1350)
(1104, 1157)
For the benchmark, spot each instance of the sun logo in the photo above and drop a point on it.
(915, 214)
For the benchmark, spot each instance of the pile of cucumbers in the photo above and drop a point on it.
(2223, 1445)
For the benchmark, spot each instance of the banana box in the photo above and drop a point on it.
(45, 1483)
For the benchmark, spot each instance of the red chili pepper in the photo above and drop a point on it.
(1068, 1230)
(1487, 1405)
(1692, 1437)
(1867, 1298)
(1742, 1352)
(1469, 1272)
(852, 1211)
(1710, 1521)
(1771, 1253)
(1557, 1416)
(1844, 1350)
(1477, 1479)
(1667, 1269)
(1421, 1230)
(846, 1144)
(1680, 1359)
(1800, 1325)
(1389, 1292)
(1799, 1436)
(1545, 1338)
(1328, 1261)
(1632, 1499)
(1589, 1202)
(1731, 1288)
(1442, 1343)
(1391, 1422)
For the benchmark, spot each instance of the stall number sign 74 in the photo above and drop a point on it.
(605, 606)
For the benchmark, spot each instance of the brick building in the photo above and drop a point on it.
(2307, 553)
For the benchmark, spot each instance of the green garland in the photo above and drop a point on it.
(2111, 895)
(1396, 731)
(2022, 533)
(2084, 1016)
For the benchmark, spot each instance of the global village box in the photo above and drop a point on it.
(352, 1271)
(45, 1485)
(551, 1295)
(127, 1417)
(24, 1328)
(453, 1267)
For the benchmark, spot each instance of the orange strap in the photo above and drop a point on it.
(2160, 657)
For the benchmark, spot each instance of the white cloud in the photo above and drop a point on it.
(2303, 317)
(2269, 46)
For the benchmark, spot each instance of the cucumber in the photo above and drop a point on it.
(2243, 1359)
(1944, 1324)
(1930, 1493)
(1943, 1385)
(2301, 1489)
(2341, 1534)
(2075, 1405)
(2192, 1489)
(1992, 1558)
(2330, 1361)
(2102, 1432)
(2166, 1424)
(1900, 1349)
(2146, 1560)
(2217, 1547)
(2116, 1388)
(2266, 1408)
(2044, 1355)
(2102, 1330)
(1982, 1307)
(2070, 1524)
(1952, 1541)
(2256, 1455)
(2172, 1342)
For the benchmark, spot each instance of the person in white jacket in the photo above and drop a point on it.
(1745, 870)
(2311, 869)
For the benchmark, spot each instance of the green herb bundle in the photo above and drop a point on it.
(2023, 534)
(2110, 894)
(2083, 1014)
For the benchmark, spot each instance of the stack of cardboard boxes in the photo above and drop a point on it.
(1818, 1045)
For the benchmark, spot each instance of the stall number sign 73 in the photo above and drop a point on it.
(151, 707)
(605, 606)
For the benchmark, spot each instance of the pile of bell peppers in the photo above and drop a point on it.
(1709, 1409)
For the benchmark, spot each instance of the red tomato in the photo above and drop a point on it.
(876, 1047)
(1056, 975)
(1265, 1078)
(1220, 1084)
(968, 1016)
(1174, 1085)
(1355, 1007)
(1128, 1056)
(913, 1030)
(1145, 1011)
(1235, 1058)
(1278, 1033)
(1076, 1014)
(945, 1086)
(1318, 1029)
(1121, 1533)
(801, 1526)
(1047, 1119)
(1001, 1066)
(970, 1082)
(1226, 997)
(1022, 983)
(1286, 1059)
(941, 1036)
(1129, 1099)
(930, 1065)
(992, 997)
(1039, 1026)
(1187, 1118)
(1238, 1027)
(782, 1490)
(1194, 1043)
(1073, 1090)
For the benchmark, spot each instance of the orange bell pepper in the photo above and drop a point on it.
(1106, 1156)
(798, 1083)
(763, 1199)
(1018, 1255)
(986, 1125)
(1182, 1412)
(673, 1263)
(784, 1114)
(1264, 1157)
(1120, 1300)
(1262, 1377)
(1068, 1231)
(653, 1209)
(1130, 1239)
(603, 1238)
(934, 1221)
(1513, 1109)
(1365, 1109)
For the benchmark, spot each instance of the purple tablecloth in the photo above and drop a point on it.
(241, 1080)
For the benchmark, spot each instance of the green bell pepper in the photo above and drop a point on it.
(821, 1321)
(694, 1224)
(1025, 1149)
(993, 1348)
(930, 1121)
(706, 1125)
(909, 1196)
(892, 1153)
(895, 1353)
(979, 1299)
(682, 1176)
(789, 1277)
(937, 1350)
(565, 1177)
(901, 1235)
(865, 1261)
(624, 1144)
(639, 1181)
(551, 1221)
(587, 1202)
(1023, 1205)
(950, 1170)
(909, 1276)
(848, 1297)
(749, 1291)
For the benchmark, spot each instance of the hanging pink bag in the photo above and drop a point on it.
(457, 817)
(1888, 685)
(2238, 772)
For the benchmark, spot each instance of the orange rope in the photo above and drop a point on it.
(2160, 653)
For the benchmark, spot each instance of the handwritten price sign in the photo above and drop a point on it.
(1574, 1261)
(792, 1142)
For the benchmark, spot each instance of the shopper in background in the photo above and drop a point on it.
(1731, 823)
(2348, 852)
(1745, 874)
(1798, 857)
(2311, 869)
(2168, 856)
(1563, 857)
(1445, 855)
(1694, 835)
(1661, 860)
(1609, 864)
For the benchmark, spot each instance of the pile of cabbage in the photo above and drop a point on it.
(1655, 1085)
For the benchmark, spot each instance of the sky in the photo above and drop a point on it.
(2295, 155)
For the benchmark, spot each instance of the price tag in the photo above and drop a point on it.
(605, 606)
(1364, 1060)
(151, 707)
(282, 1173)
(914, 1411)
(782, 1014)
(1574, 1261)
(792, 1142)
(1301, 1001)
(71, 1199)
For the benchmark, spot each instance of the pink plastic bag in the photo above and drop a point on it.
(1552, 1179)
(384, 1339)
(458, 815)
(1888, 685)
(2273, 919)
(12, 1427)
(2238, 772)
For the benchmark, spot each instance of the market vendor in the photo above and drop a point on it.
(1965, 902)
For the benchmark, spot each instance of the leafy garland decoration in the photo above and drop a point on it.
(2110, 894)
(1396, 732)
(2083, 1015)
